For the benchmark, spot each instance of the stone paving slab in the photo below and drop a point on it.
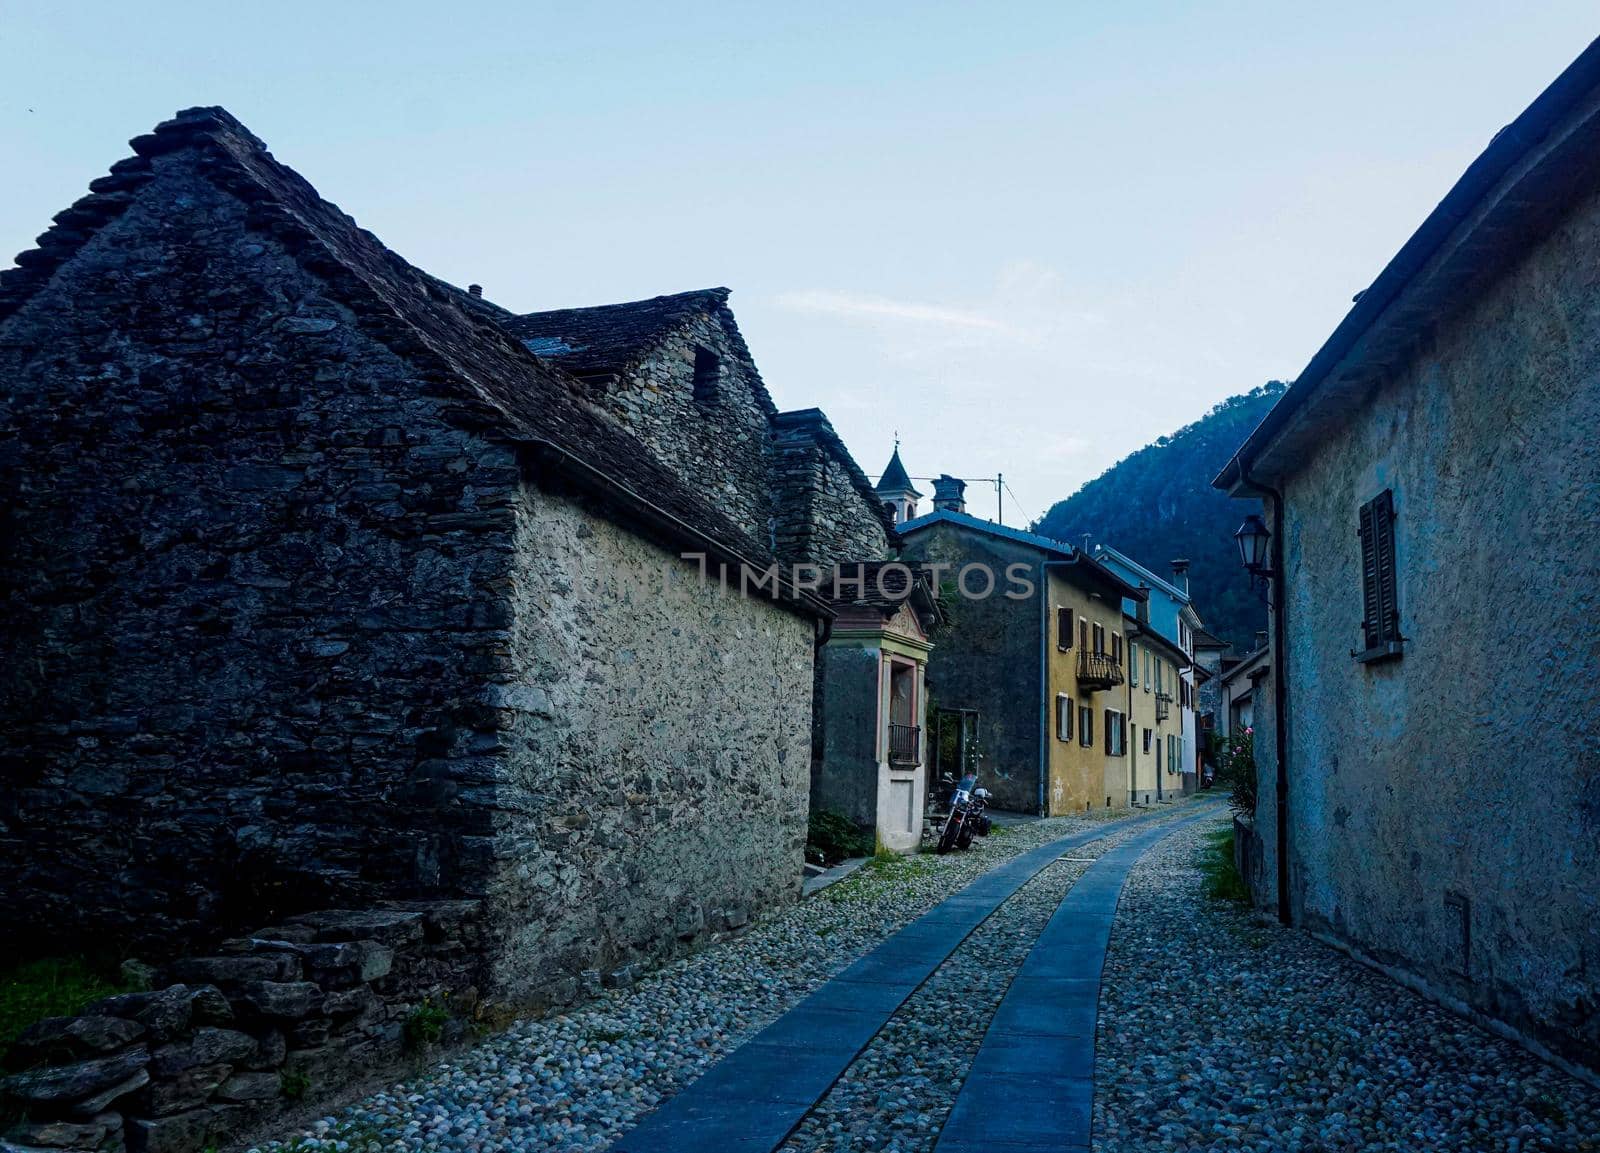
(1031, 1085)
(740, 1105)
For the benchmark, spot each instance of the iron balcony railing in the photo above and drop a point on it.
(1163, 706)
(1097, 671)
(905, 745)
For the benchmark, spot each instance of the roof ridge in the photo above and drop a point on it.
(110, 195)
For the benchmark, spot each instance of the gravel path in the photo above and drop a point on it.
(576, 1081)
(1220, 1032)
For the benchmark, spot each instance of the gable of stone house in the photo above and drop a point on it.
(263, 498)
(826, 512)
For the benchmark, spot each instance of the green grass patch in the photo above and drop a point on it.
(50, 987)
(1223, 882)
(832, 837)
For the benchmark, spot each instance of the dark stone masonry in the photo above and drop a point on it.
(327, 585)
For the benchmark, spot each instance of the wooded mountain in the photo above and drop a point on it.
(1158, 504)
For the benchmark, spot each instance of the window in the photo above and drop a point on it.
(1063, 717)
(1083, 634)
(1116, 733)
(1380, 612)
(1086, 726)
(1116, 647)
(1099, 638)
(1133, 665)
(1147, 740)
(707, 372)
(1063, 629)
(1146, 670)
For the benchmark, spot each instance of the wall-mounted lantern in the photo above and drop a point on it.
(1252, 539)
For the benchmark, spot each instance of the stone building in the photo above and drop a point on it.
(1004, 661)
(327, 583)
(1430, 791)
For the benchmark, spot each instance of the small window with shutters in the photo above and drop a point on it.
(1083, 635)
(1133, 665)
(1064, 708)
(1063, 629)
(1099, 638)
(1380, 609)
(1086, 726)
(1116, 740)
(1116, 648)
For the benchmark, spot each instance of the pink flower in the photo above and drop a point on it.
(1249, 732)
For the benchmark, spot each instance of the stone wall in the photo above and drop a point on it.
(821, 518)
(251, 582)
(720, 443)
(656, 735)
(988, 658)
(1445, 805)
(289, 1013)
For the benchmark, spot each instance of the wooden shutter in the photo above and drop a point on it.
(1108, 732)
(1063, 629)
(1083, 634)
(1116, 647)
(1380, 615)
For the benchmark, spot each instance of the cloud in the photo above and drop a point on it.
(863, 307)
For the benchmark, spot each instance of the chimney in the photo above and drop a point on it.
(949, 494)
(1261, 640)
(474, 290)
(1180, 573)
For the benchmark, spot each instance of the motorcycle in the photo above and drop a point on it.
(968, 816)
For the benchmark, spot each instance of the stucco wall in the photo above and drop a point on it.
(988, 658)
(249, 578)
(845, 772)
(1467, 767)
(1081, 778)
(656, 739)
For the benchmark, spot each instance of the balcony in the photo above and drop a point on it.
(1163, 706)
(905, 745)
(1097, 671)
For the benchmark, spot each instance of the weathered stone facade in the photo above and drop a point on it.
(656, 751)
(990, 657)
(826, 512)
(1443, 804)
(294, 616)
(252, 590)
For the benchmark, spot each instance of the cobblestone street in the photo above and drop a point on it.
(1216, 1030)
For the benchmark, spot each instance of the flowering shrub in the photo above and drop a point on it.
(1239, 772)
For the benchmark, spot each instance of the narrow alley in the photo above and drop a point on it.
(1215, 1029)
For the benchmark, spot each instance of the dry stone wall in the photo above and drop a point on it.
(250, 582)
(288, 1013)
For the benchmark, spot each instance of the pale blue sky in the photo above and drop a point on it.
(1030, 236)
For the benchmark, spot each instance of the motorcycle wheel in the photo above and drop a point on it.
(964, 841)
(952, 830)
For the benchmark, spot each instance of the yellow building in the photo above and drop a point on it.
(1085, 657)
(1155, 720)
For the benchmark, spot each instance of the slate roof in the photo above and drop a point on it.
(1057, 552)
(453, 339)
(885, 586)
(895, 478)
(606, 340)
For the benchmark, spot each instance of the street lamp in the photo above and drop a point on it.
(1252, 539)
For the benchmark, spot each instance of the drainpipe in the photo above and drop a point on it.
(1280, 687)
(1044, 685)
